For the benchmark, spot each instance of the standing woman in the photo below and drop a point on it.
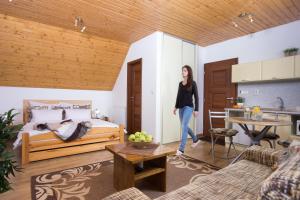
(184, 102)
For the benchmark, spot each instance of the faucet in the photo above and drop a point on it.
(281, 107)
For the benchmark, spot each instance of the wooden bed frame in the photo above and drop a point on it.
(48, 145)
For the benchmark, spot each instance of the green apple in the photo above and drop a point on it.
(137, 134)
(142, 138)
(149, 138)
(131, 137)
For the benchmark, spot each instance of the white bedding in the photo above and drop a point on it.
(28, 128)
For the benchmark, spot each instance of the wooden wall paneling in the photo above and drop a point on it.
(39, 55)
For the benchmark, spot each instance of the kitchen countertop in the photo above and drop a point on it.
(270, 110)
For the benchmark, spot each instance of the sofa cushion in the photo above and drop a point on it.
(128, 194)
(244, 175)
(241, 180)
(294, 147)
(212, 190)
(264, 155)
(284, 183)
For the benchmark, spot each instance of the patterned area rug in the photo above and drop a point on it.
(95, 181)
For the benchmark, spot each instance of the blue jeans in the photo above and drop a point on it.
(185, 115)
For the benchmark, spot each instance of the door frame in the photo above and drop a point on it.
(205, 87)
(129, 89)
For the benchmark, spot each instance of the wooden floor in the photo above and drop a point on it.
(21, 183)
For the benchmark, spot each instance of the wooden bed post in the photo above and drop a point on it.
(121, 133)
(25, 149)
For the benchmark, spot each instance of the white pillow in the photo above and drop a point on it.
(65, 106)
(43, 116)
(34, 105)
(78, 114)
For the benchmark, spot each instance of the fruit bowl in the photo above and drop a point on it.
(143, 145)
(141, 140)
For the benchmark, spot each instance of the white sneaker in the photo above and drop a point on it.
(179, 153)
(195, 143)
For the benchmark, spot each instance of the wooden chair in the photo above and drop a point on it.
(216, 133)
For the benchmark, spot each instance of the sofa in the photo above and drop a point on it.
(258, 173)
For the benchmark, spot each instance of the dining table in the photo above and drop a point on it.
(267, 124)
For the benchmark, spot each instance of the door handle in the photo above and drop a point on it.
(229, 98)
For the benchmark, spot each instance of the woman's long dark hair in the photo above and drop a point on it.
(190, 75)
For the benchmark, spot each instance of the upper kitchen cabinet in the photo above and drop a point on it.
(282, 68)
(246, 72)
(297, 66)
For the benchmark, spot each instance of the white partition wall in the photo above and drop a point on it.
(175, 54)
(170, 76)
(189, 58)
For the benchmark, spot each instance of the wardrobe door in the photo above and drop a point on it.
(170, 77)
(188, 58)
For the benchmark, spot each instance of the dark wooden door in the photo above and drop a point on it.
(218, 91)
(134, 95)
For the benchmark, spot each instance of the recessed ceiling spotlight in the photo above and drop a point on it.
(246, 15)
(235, 24)
(9, 0)
(83, 29)
(250, 18)
(243, 16)
(79, 23)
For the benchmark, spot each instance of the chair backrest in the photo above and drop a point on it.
(215, 114)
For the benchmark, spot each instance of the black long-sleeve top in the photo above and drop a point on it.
(185, 96)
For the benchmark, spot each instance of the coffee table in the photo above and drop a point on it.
(154, 167)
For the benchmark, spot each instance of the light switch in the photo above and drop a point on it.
(243, 92)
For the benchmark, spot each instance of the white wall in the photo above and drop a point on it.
(263, 45)
(149, 49)
(12, 97)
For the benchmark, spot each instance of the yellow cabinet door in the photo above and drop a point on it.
(297, 66)
(282, 68)
(246, 72)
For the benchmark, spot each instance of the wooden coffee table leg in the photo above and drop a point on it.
(160, 180)
(123, 173)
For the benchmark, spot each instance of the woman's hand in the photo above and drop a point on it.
(195, 113)
(174, 111)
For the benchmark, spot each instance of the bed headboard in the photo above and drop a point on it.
(26, 105)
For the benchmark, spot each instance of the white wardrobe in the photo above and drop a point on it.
(175, 54)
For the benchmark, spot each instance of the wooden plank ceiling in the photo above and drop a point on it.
(202, 21)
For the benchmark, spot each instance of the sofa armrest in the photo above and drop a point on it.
(263, 155)
(128, 194)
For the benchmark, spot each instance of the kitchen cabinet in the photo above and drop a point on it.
(297, 66)
(246, 72)
(276, 69)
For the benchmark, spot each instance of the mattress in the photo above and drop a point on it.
(28, 128)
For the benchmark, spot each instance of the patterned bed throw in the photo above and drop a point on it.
(67, 130)
(284, 183)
